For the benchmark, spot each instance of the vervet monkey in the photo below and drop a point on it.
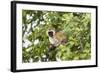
(56, 37)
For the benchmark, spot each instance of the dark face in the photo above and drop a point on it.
(50, 33)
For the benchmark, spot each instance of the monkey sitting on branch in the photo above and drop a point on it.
(56, 38)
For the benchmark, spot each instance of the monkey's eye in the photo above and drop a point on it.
(50, 33)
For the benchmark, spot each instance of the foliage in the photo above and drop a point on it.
(75, 25)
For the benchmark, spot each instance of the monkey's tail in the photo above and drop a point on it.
(51, 53)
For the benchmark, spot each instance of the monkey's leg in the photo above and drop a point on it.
(51, 47)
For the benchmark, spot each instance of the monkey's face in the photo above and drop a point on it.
(51, 33)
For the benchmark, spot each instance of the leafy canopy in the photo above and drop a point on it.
(75, 25)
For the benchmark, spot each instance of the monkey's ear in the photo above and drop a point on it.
(47, 33)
